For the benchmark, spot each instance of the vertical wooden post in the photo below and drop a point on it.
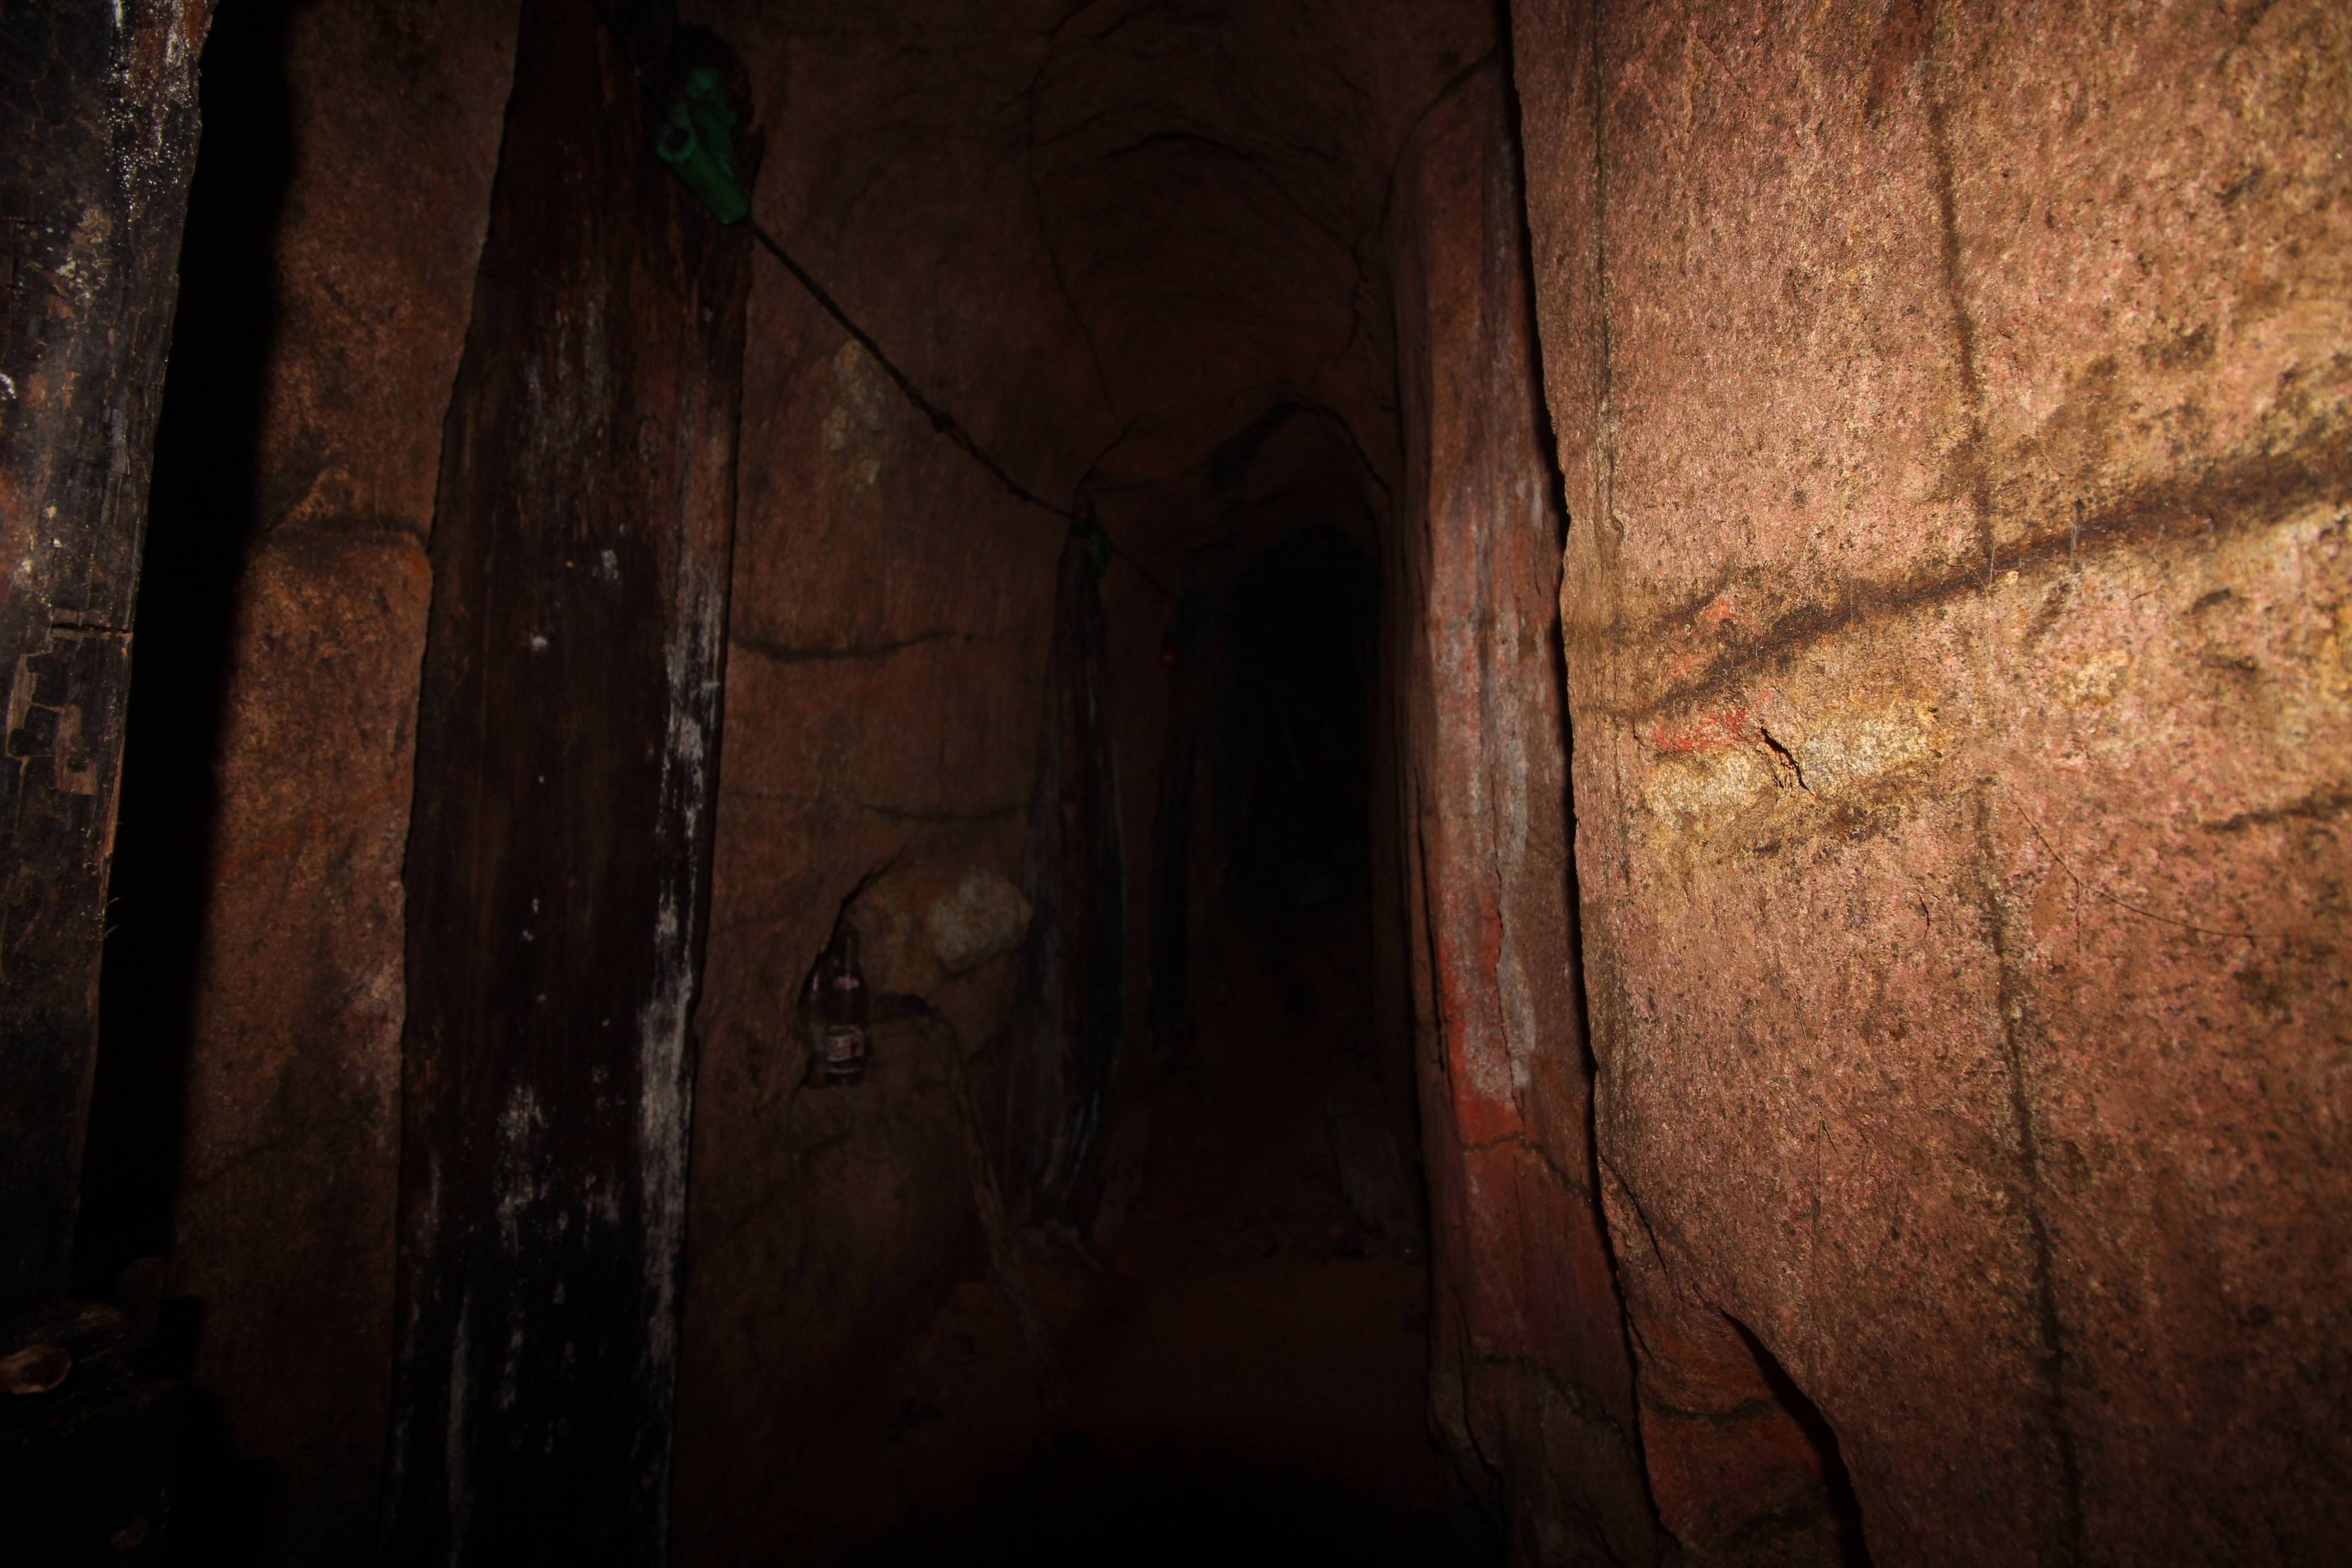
(560, 846)
(1067, 1042)
(99, 101)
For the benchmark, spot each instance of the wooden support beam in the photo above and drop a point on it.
(99, 99)
(560, 847)
(1066, 1033)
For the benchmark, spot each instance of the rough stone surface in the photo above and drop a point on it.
(351, 433)
(887, 641)
(1533, 1384)
(889, 630)
(285, 1212)
(965, 180)
(1952, 404)
(1265, 135)
(983, 917)
(283, 1226)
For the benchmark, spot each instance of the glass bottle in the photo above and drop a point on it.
(841, 1058)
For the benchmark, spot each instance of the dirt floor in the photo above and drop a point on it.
(1242, 1346)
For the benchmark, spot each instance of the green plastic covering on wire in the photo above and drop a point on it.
(1098, 541)
(697, 141)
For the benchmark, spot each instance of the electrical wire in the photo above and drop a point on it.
(942, 422)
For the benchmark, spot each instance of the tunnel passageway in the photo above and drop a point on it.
(1241, 1308)
(1245, 1354)
(929, 781)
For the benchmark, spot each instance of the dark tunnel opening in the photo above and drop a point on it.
(1239, 1296)
(1263, 786)
(1295, 770)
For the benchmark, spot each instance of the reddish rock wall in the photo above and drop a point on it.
(1953, 404)
(958, 182)
(1533, 1386)
(968, 183)
(886, 648)
(283, 1222)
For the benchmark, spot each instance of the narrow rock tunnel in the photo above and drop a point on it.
(1395, 781)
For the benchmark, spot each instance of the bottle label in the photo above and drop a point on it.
(845, 1046)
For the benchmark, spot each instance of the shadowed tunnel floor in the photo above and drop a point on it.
(1245, 1355)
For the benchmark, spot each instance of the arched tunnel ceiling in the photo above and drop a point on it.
(1205, 180)
(1212, 178)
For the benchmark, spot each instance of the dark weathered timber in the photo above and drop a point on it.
(560, 846)
(1065, 1032)
(98, 138)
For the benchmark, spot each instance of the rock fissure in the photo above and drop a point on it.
(781, 653)
(2240, 498)
(2047, 1316)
